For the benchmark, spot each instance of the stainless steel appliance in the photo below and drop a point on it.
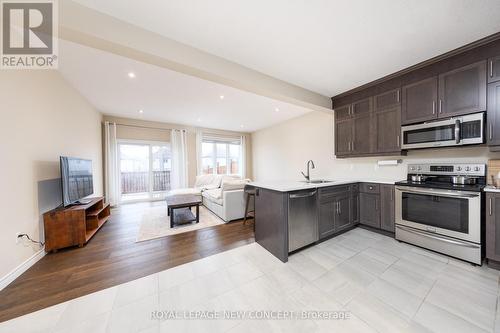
(457, 131)
(439, 214)
(302, 219)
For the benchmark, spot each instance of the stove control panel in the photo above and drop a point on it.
(465, 169)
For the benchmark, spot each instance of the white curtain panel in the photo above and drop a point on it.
(199, 140)
(179, 174)
(243, 157)
(111, 167)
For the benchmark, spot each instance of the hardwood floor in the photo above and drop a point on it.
(113, 257)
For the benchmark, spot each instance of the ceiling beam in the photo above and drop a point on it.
(82, 25)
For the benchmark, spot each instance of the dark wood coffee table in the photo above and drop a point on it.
(179, 209)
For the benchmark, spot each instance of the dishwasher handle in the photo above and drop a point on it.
(302, 195)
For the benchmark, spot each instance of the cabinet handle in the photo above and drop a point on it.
(398, 143)
(433, 107)
(491, 68)
(440, 106)
(491, 131)
(397, 97)
(490, 207)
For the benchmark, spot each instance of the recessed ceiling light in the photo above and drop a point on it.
(198, 120)
(131, 75)
(141, 111)
(221, 96)
(277, 109)
(242, 126)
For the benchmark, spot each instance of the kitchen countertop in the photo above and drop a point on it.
(490, 188)
(296, 185)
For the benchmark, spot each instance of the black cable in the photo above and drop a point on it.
(31, 240)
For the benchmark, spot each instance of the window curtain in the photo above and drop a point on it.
(179, 173)
(243, 157)
(199, 141)
(111, 168)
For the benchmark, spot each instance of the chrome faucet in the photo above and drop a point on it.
(309, 163)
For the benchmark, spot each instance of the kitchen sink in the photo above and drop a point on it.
(318, 181)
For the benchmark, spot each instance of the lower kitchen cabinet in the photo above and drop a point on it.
(493, 227)
(335, 210)
(387, 215)
(369, 209)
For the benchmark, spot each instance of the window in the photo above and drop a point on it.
(144, 170)
(220, 155)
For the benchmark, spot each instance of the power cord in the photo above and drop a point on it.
(31, 240)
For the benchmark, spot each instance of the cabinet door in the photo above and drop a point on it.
(362, 107)
(388, 130)
(493, 226)
(462, 90)
(343, 137)
(389, 99)
(343, 217)
(493, 115)
(419, 101)
(362, 134)
(354, 207)
(327, 212)
(369, 209)
(342, 112)
(494, 69)
(387, 215)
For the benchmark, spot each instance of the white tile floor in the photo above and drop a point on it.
(384, 285)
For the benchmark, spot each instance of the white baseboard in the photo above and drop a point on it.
(16, 272)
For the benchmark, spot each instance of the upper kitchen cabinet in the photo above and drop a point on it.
(387, 100)
(343, 112)
(419, 101)
(343, 137)
(362, 134)
(494, 69)
(463, 90)
(387, 122)
(362, 107)
(493, 115)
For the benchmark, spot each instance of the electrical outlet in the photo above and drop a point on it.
(18, 239)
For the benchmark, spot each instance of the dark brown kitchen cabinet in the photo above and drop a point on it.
(327, 212)
(362, 134)
(369, 209)
(387, 130)
(343, 112)
(355, 203)
(462, 91)
(334, 210)
(343, 137)
(493, 227)
(387, 215)
(493, 114)
(362, 107)
(419, 101)
(494, 69)
(386, 100)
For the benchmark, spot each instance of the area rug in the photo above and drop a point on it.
(156, 224)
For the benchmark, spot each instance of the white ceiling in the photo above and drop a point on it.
(327, 46)
(165, 95)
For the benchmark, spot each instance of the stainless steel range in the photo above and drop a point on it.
(439, 208)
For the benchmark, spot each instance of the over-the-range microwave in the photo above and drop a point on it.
(456, 131)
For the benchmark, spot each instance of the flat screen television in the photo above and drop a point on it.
(77, 180)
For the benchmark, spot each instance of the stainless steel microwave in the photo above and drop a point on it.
(456, 131)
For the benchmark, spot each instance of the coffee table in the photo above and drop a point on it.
(179, 209)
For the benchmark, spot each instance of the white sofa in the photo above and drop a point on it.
(223, 195)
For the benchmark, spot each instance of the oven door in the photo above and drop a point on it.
(457, 131)
(455, 214)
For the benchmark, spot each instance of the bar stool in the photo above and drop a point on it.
(250, 196)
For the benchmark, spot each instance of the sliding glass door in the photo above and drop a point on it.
(144, 170)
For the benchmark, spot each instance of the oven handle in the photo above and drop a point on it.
(434, 236)
(439, 193)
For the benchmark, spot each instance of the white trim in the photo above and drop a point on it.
(16, 272)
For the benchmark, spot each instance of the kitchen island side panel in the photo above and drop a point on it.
(271, 222)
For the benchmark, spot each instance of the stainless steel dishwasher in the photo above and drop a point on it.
(302, 219)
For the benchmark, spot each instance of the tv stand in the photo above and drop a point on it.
(74, 225)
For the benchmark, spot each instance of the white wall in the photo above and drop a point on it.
(41, 118)
(280, 152)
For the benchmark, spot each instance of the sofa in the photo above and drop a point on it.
(221, 194)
